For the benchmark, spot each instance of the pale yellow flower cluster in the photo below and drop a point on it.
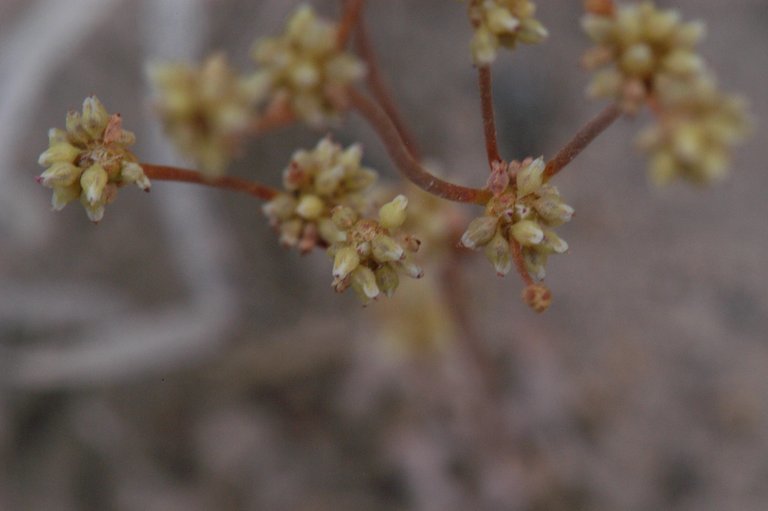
(371, 253)
(502, 23)
(206, 109)
(696, 129)
(90, 160)
(306, 67)
(317, 181)
(648, 56)
(526, 210)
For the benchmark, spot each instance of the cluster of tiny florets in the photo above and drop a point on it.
(523, 210)
(502, 23)
(90, 160)
(315, 182)
(370, 254)
(204, 110)
(648, 56)
(306, 67)
(695, 132)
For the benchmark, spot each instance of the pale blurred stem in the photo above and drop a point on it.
(517, 257)
(378, 87)
(582, 139)
(405, 162)
(485, 81)
(349, 18)
(163, 173)
(454, 293)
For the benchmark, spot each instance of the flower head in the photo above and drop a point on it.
(525, 212)
(502, 23)
(372, 253)
(305, 66)
(205, 110)
(315, 182)
(90, 160)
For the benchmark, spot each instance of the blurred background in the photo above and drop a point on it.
(174, 357)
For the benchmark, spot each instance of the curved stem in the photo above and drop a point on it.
(349, 17)
(164, 173)
(582, 139)
(403, 159)
(379, 89)
(489, 123)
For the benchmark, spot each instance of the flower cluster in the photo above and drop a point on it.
(370, 253)
(502, 23)
(636, 44)
(306, 67)
(90, 159)
(205, 109)
(524, 210)
(649, 56)
(316, 181)
(696, 130)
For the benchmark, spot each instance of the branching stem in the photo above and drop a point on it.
(164, 173)
(403, 159)
(582, 139)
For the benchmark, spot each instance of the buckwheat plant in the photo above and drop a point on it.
(643, 57)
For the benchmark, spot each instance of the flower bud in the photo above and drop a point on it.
(385, 249)
(61, 152)
(95, 117)
(392, 214)
(345, 260)
(63, 195)
(527, 232)
(498, 253)
(530, 177)
(60, 174)
(537, 297)
(479, 232)
(310, 207)
(132, 172)
(364, 283)
(387, 279)
(93, 181)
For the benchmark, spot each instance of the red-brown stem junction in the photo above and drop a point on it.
(582, 139)
(163, 173)
(489, 123)
(405, 162)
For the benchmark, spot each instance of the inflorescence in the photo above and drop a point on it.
(643, 56)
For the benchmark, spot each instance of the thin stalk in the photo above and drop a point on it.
(378, 87)
(517, 257)
(485, 81)
(349, 18)
(164, 173)
(405, 162)
(582, 139)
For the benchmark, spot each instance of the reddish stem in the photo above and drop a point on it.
(489, 123)
(349, 18)
(517, 257)
(164, 173)
(582, 139)
(403, 159)
(277, 115)
(379, 89)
